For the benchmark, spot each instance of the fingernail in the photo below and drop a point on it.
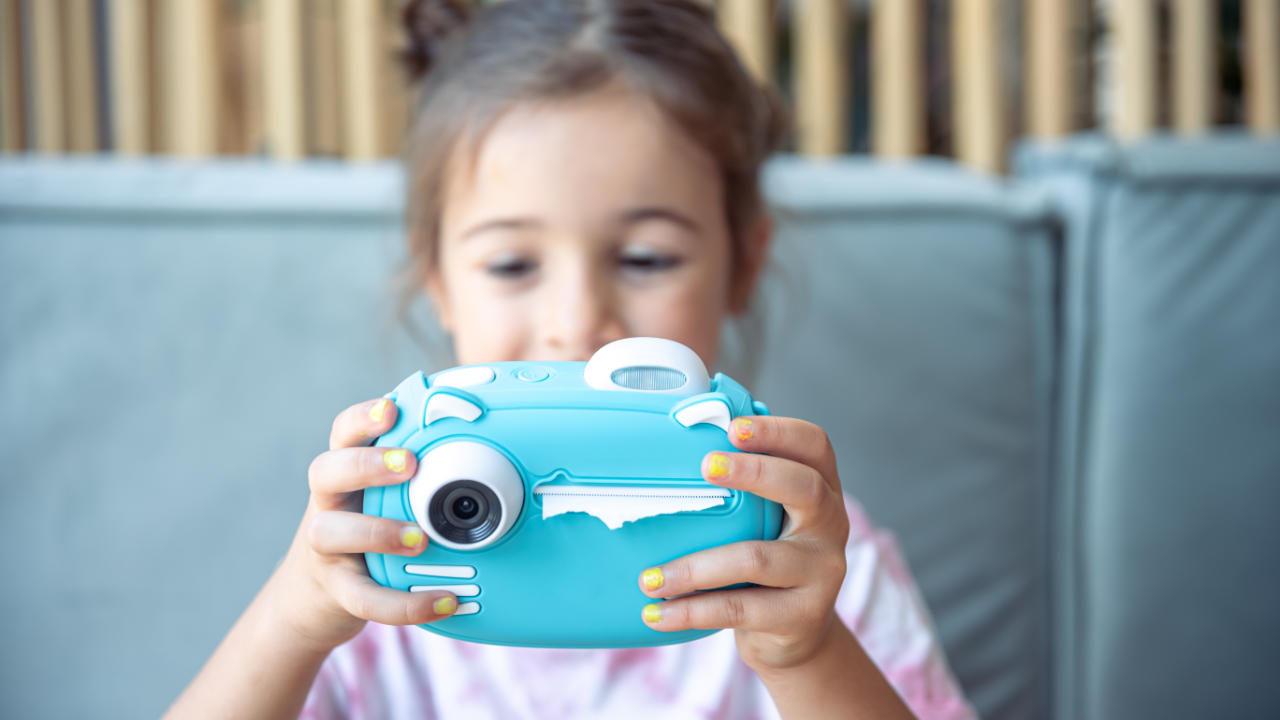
(652, 578)
(743, 427)
(719, 465)
(652, 614)
(411, 537)
(445, 605)
(396, 460)
(379, 410)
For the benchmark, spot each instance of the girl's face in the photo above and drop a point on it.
(578, 222)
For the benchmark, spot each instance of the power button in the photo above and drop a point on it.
(533, 373)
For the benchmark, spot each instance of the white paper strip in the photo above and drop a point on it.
(616, 506)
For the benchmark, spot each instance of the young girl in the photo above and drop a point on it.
(583, 171)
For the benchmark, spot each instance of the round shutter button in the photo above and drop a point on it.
(533, 373)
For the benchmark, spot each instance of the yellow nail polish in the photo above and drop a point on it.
(445, 606)
(652, 614)
(395, 460)
(411, 537)
(719, 465)
(652, 578)
(743, 426)
(379, 410)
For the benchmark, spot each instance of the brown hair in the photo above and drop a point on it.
(470, 68)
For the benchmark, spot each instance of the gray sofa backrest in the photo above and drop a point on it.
(181, 336)
(919, 331)
(1060, 392)
(177, 339)
(1172, 426)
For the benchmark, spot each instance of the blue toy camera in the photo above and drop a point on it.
(545, 488)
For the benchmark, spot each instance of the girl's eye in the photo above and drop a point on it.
(646, 261)
(510, 267)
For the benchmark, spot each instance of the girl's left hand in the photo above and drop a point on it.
(783, 622)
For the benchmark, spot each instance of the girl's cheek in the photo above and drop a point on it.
(686, 313)
(487, 327)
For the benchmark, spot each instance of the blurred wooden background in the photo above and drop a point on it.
(291, 79)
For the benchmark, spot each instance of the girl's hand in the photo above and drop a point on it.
(782, 623)
(323, 587)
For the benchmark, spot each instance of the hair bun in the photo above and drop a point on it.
(427, 23)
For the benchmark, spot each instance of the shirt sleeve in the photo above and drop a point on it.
(327, 699)
(881, 604)
(373, 675)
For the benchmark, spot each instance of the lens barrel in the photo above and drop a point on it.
(465, 511)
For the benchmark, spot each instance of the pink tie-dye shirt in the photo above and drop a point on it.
(404, 672)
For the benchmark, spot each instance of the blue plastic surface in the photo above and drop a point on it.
(568, 580)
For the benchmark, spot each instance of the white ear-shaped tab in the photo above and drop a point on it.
(445, 405)
(713, 412)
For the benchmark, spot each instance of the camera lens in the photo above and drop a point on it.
(463, 505)
(467, 495)
(466, 507)
(465, 511)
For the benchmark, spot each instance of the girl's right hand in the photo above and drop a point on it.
(322, 587)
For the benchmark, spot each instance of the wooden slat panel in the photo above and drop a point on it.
(192, 90)
(1262, 66)
(240, 50)
(81, 79)
(1195, 64)
(748, 25)
(395, 83)
(1134, 37)
(1049, 94)
(251, 116)
(282, 70)
(130, 77)
(324, 87)
(897, 102)
(977, 96)
(1084, 73)
(362, 35)
(13, 125)
(49, 117)
(156, 51)
(821, 76)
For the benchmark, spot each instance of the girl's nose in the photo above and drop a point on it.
(581, 316)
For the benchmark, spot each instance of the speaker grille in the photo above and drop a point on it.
(645, 377)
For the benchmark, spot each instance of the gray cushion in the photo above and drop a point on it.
(178, 338)
(176, 343)
(1172, 447)
(913, 318)
(153, 310)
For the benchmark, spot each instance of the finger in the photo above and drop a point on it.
(800, 488)
(774, 564)
(364, 598)
(349, 469)
(361, 423)
(337, 533)
(789, 438)
(767, 609)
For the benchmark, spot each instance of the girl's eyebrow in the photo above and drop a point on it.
(515, 223)
(641, 214)
(628, 217)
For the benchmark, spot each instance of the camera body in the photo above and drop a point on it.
(503, 447)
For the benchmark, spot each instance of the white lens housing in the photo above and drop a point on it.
(466, 460)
